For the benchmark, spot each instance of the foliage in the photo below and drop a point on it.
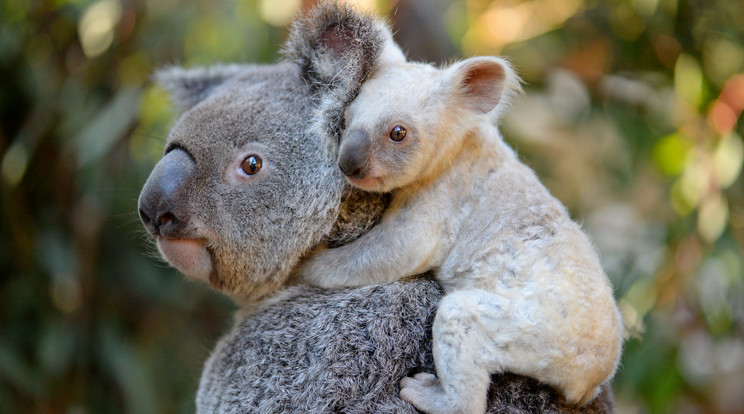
(631, 117)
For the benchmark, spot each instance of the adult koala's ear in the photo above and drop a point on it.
(483, 84)
(187, 87)
(337, 45)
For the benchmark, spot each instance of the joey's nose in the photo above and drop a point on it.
(163, 202)
(349, 169)
(353, 157)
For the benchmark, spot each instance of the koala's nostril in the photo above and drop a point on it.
(165, 218)
(165, 222)
(350, 170)
(146, 220)
(347, 170)
(150, 224)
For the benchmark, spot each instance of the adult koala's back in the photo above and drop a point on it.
(328, 351)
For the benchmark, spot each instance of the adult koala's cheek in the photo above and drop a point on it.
(189, 256)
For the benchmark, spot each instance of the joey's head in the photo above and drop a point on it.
(410, 120)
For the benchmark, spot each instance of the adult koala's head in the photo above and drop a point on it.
(248, 182)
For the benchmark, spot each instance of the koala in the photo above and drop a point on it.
(525, 291)
(220, 198)
(247, 186)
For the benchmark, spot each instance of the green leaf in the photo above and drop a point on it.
(670, 153)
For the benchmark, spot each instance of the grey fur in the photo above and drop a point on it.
(189, 87)
(257, 230)
(335, 45)
(358, 212)
(329, 351)
(301, 349)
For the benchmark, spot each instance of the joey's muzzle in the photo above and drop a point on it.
(353, 156)
(163, 200)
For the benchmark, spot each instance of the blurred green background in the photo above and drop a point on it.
(631, 117)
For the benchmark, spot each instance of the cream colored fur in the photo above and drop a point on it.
(525, 289)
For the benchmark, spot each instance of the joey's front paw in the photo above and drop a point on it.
(425, 393)
(307, 274)
(317, 273)
(580, 394)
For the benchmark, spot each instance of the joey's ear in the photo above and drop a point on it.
(338, 45)
(188, 87)
(484, 84)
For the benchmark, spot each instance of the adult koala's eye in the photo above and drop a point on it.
(251, 164)
(398, 133)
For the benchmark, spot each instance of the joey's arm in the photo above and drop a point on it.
(398, 246)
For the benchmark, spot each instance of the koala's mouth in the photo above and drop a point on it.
(189, 256)
(368, 183)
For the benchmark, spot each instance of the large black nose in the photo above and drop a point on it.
(353, 156)
(164, 198)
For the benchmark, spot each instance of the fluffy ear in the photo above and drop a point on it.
(188, 87)
(484, 84)
(337, 45)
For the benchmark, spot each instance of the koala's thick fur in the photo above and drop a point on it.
(218, 224)
(525, 290)
(332, 351)
(295, 349)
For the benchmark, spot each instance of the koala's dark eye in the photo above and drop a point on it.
(398, 133)
(251, 164)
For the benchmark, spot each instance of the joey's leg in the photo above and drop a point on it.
(391, 250)
(475, 334)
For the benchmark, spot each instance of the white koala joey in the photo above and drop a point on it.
(525, 291)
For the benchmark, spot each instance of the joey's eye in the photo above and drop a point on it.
(251, 164)
(398, 133)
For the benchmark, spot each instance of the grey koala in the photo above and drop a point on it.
(248, 185)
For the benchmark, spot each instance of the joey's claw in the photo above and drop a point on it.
(422, 377)
(582, 396)
(424, 392)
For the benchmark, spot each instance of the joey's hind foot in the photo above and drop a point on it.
(424, 392)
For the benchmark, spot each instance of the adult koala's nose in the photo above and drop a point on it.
(353, 156)
(162, 202)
